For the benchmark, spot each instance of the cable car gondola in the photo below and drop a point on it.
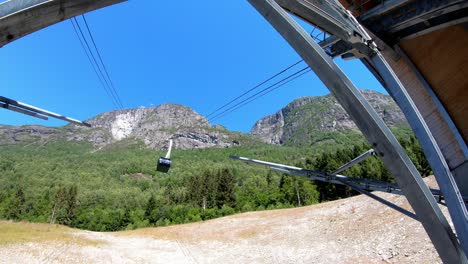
(164, 163)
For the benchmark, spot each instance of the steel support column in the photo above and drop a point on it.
(373, 128)
(445, 179)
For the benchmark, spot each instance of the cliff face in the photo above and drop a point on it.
(153, 126)
(305, 116)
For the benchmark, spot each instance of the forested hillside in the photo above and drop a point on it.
(118, 187)
(322, 120)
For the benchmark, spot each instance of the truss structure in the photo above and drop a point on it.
(342, 36)
(361, 185)
(348, 39)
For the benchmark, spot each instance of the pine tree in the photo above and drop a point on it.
(149, 209)
(225, 188)
(15, 209)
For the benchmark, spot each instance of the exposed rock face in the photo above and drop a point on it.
(270, 128)
(153, 126)
(307, 115)
(156, 125)
(11, 134)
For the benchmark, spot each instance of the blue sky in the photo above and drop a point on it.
(196, 53)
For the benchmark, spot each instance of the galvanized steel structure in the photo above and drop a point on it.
(393, 38)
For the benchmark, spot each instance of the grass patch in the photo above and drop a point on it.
(22, 232)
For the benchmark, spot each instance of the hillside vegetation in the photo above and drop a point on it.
(104, 178)
(118, 187)
(352, 230)
(322, 120)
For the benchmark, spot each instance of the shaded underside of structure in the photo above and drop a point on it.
(426, 44)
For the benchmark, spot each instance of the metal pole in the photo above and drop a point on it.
(373, 128)
(358, 159)
(22, 111)
(40, 112)
(366, 184)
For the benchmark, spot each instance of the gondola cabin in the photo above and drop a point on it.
(164, 163)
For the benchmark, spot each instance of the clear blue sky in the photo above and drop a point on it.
(196, 53)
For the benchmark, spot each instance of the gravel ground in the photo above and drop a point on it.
(353, 230)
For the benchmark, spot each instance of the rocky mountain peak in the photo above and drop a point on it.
(153, 126)
(131, 122)
(307, 115)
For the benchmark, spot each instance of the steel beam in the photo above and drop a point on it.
(356, 160)
(444, 177)
(373, 128)
(366, 184)
(320, 14)
(22, 111)
(383, 8)
(372, 185)
(36, 112)
(414, 17)
(19, 18)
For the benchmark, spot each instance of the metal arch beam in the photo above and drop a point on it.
(19, 18)
(436, 100)
(373, 128)
(444, 177)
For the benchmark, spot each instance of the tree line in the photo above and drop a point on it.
(117, 189)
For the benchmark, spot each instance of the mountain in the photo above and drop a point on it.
(153, 126)
(306, 120)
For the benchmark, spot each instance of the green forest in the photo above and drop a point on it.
(118, 188)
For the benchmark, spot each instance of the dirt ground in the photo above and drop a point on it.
(353, 230)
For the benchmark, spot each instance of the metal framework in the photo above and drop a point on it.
(35, 111)
(354, 42)
(358, 184)
(346, 38)
(19, 18)
(336, 178)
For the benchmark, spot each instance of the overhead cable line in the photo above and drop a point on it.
(263, 92)
(91, 62)
(255, 87)
(102, 63)
(95, 65)
(92, 58)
